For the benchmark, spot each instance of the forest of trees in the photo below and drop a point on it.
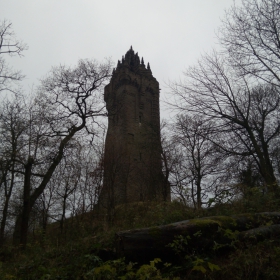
(227, 128)
(224, 143)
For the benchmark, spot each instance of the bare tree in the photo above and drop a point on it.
(202, 162)
(73, 188)
(167, 157)
(245, 118)
(250, 36)
(195, 166)
(92, 175)
(67, 105)
(69, 176)
(47, 201)
(12, 127)
(9, 45)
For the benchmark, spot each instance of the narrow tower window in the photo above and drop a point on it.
(140, 117)
(130, 138)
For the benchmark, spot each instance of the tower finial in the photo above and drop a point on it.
(148, 66)
(142, 61)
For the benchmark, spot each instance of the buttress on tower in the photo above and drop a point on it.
(132, 160)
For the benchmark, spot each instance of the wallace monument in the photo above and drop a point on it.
(132, 160)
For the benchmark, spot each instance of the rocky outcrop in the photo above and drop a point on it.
(196, 236)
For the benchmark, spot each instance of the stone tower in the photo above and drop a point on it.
(132, 161)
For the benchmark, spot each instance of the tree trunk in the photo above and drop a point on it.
(4, 218)
(63, 213)
(3, 222)
(8, 193)
(197, 235)
(166, 184)
(20, 238)
(22, 220)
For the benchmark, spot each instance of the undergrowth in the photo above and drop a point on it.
(85, 248)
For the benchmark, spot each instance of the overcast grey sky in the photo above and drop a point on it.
(170, 34)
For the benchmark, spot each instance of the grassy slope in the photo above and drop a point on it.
(88, 242)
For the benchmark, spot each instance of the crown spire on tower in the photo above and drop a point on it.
(133, 62)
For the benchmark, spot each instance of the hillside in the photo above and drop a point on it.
(85, 249)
